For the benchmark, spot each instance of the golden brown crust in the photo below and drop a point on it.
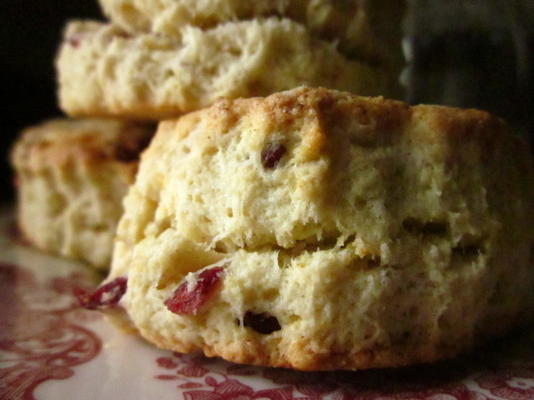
(254, 353)
(333, 108)
(58, 142)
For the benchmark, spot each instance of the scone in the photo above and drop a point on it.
(368, 29)
(104, 71)
(71, 178)
(315, 229)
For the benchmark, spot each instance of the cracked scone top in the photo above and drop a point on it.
(368, 29)
(104, 71)
(315, 229)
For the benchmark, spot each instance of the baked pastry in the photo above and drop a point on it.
(71, 177)
(104, 71)
(315, 229)
(366, 29)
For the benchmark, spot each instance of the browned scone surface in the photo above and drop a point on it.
(71, 177)
(314, 229)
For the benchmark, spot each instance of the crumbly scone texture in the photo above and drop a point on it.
(104, 71)
(71, 177)
(381, 235)
(365, 29)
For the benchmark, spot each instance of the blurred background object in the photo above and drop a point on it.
(472, 53)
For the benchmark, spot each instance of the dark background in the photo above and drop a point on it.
(30, 33)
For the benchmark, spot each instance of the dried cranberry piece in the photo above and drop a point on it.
(74, 41)
(123, 35)
(130, 149)
(188, 301)
(271, 154)
(105, 296)
(261, 322)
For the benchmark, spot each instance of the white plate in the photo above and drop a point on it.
(52, 349)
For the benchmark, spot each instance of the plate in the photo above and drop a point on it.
(50, 348)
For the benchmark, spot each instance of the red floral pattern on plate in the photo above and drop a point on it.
(515, 384)
(467, 378)
(40, 338)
